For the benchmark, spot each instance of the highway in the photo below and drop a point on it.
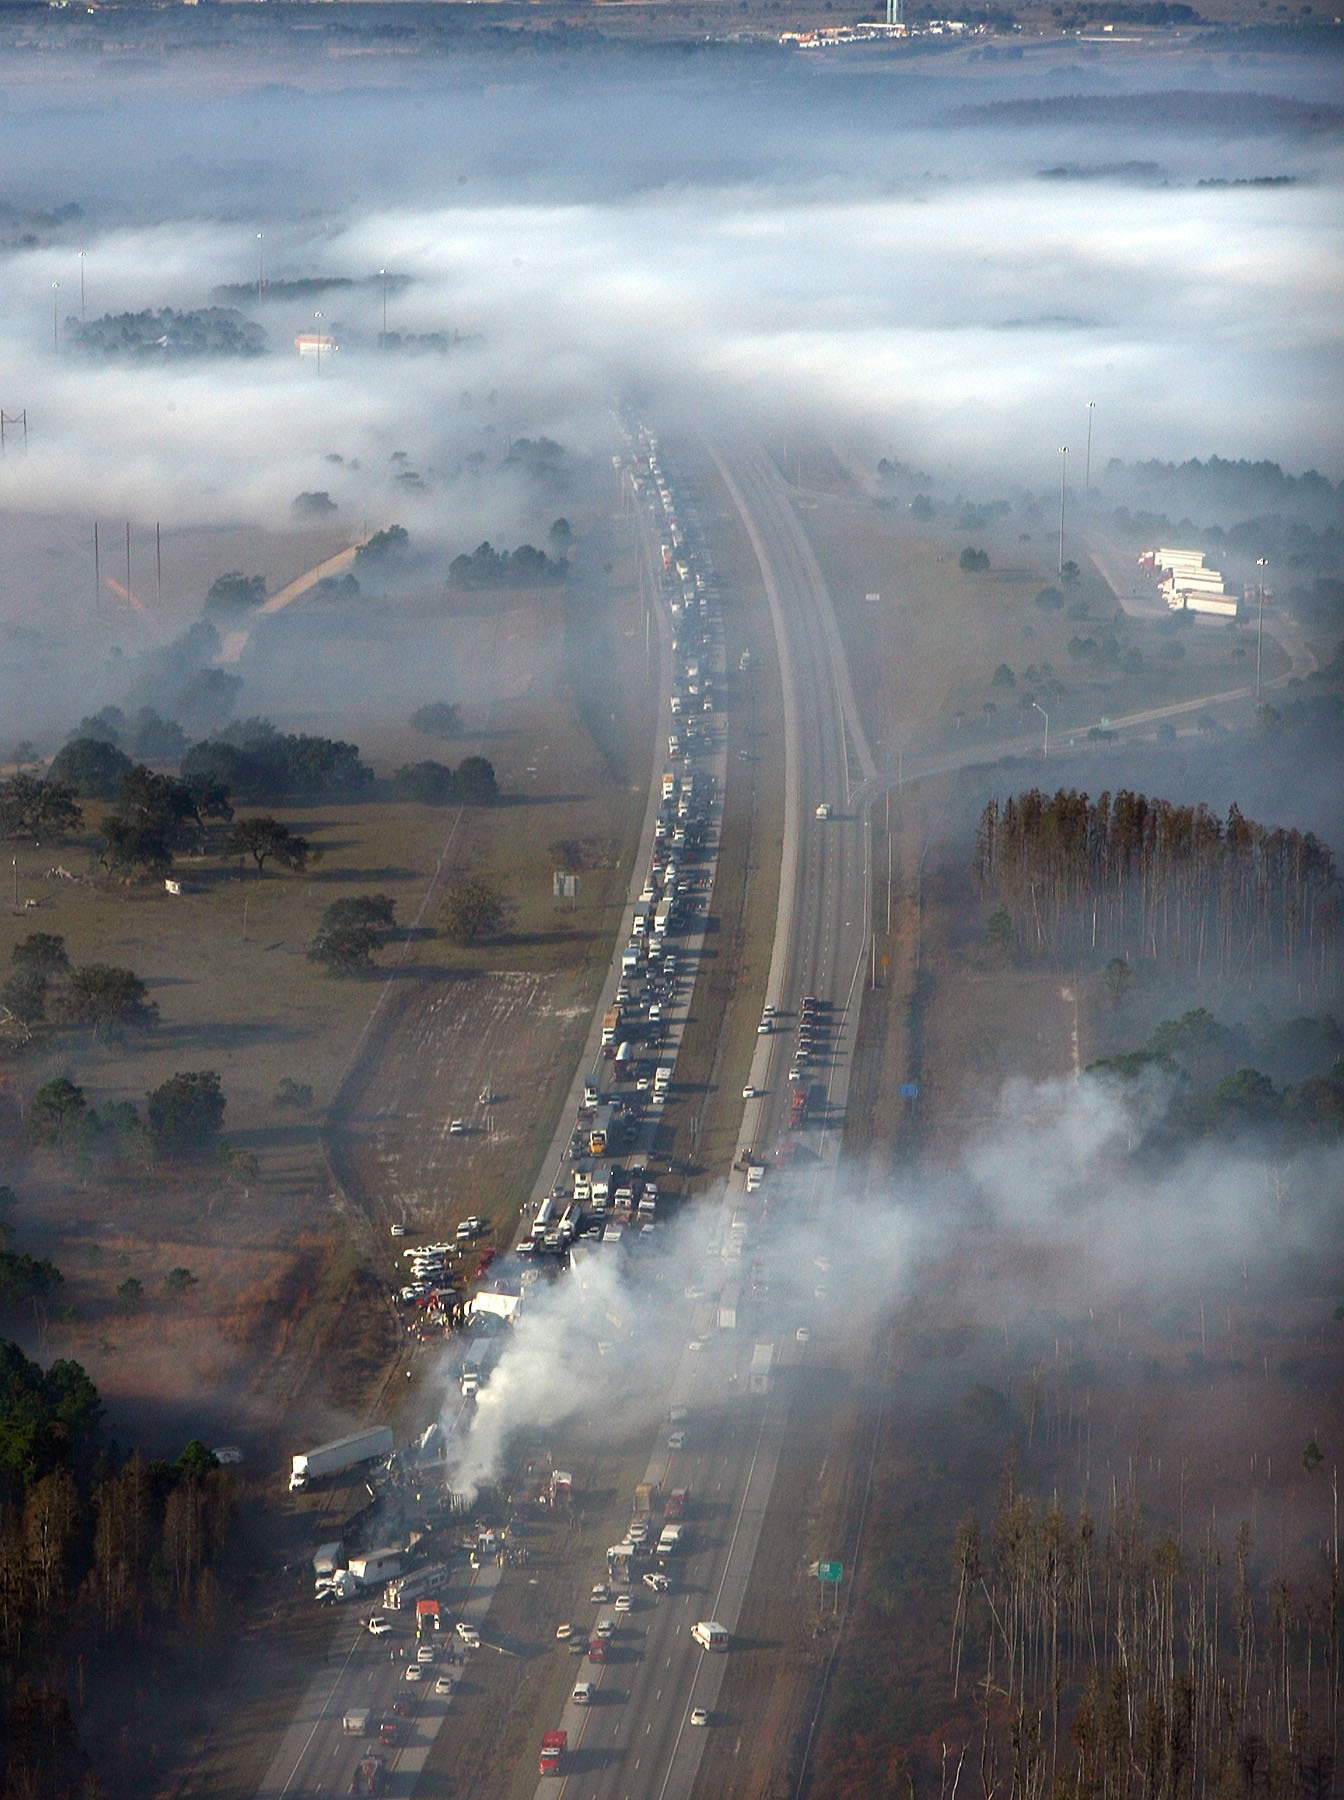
(636, 1741)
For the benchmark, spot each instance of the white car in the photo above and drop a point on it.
(599, 1593)
(677, 1440)
(699, 1716)
(749, 1092)
(456, 1127)
(425, 1654)
(469, 1635)
(803, 1335)
(379, 1626)
(695, 1345)
(398, 1230)
(624, 1603)
(562, 1632)
(824, 810)
(444, 1685)
(656, 1583)
(414, 1672)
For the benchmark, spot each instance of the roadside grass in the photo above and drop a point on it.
(922, 657)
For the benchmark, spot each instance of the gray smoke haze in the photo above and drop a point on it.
(1043, 1217)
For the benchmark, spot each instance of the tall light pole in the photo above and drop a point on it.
(383, 275)
(317, 319)
(1087, 476)
(55, 320)
(81, 287)
(1063, 474)
(1261, 563)
(1045, 752)
(260, 235)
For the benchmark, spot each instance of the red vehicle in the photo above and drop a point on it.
(798, 1108)
(554, 1744)
(487, 1257)
(674, 1507)
(389, 1731)
(597, 1651)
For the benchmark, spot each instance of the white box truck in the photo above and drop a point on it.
(376, 1566)
(339, 1455)
(710, 1635)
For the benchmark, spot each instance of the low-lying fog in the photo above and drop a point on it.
(945, 262)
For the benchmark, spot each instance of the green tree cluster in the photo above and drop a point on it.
(440, 719)
(384, 546)
(235, 592)
(37, 809)
(157, 816)
(487, 567)
(473, 910)
(436, 784)
(350, 931)
(259, 765)
(186, 1113)
(266, 840)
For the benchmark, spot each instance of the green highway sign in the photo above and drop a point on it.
(830, 1571)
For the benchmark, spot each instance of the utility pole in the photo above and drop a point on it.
(97, 576)
(1261, 563)
(55, 319)
(259, 238)
(317, 320)
(81, 287)
(1087, 477)
(1063, 475)
(383, 274)
(158, 558)
(1045, 752)
(128, 559)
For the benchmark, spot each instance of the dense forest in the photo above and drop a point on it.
(1126, 875)
(105, 1562)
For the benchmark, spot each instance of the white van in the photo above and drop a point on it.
(583, 1693)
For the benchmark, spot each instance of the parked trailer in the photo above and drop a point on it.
(339, 1455)
(1219, 605)
(357, 1721)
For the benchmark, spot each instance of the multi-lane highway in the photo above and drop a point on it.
(637, 1739)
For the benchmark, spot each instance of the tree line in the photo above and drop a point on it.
(1117, 1662)
(167, 333)
(102, 1559)
(487, 567)
(1126, 875)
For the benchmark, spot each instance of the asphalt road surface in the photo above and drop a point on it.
(636, 1742)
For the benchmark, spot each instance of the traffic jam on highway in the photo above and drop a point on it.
(604, 1197)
